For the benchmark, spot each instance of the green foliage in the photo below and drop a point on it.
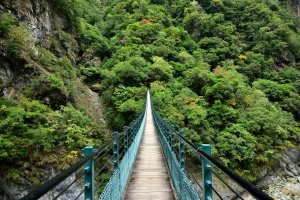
(139, 33)
(7, 20)
(29, 127)
(73, 10)
(50, 82)
(273, 90)
(237, 145)
(19, 41)
(224, 70)
(129, 102)
(160, 69)
(294, 43)
(13, 175)
(255, 66)
(92, 39)
(132, 72)
(221, 115)
(221, 90)
(46, 57)
(191, 107)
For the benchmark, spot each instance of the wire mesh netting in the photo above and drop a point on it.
(115, 188)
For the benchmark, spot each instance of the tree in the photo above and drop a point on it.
(236, 147)
(160, 69)
(197, 78)
(275, 91)
(215, 48)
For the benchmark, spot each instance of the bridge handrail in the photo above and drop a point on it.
(252, 189)
(49, 185)
(183, 186)
(115, 188)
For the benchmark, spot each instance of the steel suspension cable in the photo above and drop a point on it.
(43, 189)
(227, 185)
(105, 153)
(193, 177)
(59, 194)
(253, 190)
(216, 192)
(98, 173)
(79, 194)
(46, 187)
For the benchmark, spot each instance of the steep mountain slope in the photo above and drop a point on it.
(47, 111)
(227, 71)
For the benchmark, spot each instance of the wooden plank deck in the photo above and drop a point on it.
(149, 178)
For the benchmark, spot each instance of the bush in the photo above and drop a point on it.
(7, 20)
(19, 41)
(30, 127)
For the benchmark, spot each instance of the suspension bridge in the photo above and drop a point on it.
(149, 159)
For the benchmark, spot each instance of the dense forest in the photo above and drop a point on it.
(226, 71)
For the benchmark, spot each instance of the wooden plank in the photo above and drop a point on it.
(149, 178)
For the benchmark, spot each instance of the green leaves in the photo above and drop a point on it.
(7, 20)
(31, 127)
(215, 48)
(160, 69)
(129, 102)
(130, 106)
(92, 39)
(139, 33)
(132, 72)
(19, 40)
(237, 144)
(274, 91)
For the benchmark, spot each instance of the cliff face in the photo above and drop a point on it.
(296, 6)
(44, 23)
(39, 15)
(283, 181)
(45, 71)
(49, 30)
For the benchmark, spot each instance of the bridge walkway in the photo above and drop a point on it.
(149, 178)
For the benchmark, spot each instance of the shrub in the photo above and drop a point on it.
(19, 41)
(6, 21)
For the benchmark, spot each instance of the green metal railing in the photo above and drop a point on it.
(115, 188)
(183, 186)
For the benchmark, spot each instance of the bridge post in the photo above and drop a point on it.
(206, 173)
(181, 151)
(172, 139)
(131, 132)
(166, 132)
(160, 127)
(88, 174)
(125, 129)
(116, 150)
(134, 128)
(163, 129)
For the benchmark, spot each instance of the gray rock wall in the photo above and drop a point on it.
(283, 181)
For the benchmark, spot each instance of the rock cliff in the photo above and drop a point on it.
(32, 76)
